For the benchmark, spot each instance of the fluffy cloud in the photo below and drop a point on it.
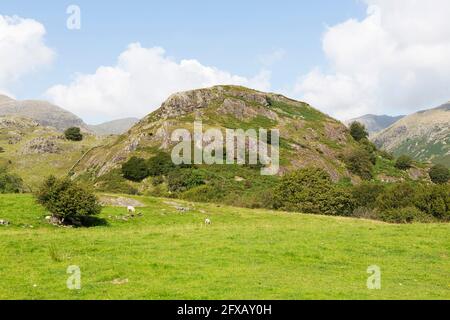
(140, 81)
(22, 49)
(394, 61)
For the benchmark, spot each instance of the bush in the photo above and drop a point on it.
(135, 169)
(10, 183)
(404, 215)
(358, 131)
(184, 179)
(312, 191)
(439, 174)
(68, 201)
(73, 134)
(359, 162)
(403, 162)
(434, 200)
(2, 150)
(366, 194)
(396, 196)
(371, 150)
(161, 164)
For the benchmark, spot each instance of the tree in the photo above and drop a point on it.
(159, 165)
(68, 201)
(358, 131)
(73, 134)
(439, 174)
(135, 169)
(311, 190)
(10, 183)
(359, 162)
(403, 162)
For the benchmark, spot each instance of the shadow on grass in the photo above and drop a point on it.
(92, 222)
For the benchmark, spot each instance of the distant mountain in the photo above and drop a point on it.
(424, 135)
(375, 123)
(114, 127)
(43, 112)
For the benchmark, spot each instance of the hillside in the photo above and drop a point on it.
(43, 112)
(424, 135)
(244, 254)
(308, 138)
(34, 151)
(375, 123)
(116, 127)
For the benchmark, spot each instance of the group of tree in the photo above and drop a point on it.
(73, 134)
(137, 169)
(312, 191)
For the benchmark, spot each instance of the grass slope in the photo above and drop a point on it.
(245, 254)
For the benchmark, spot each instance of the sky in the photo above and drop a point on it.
(346, 57)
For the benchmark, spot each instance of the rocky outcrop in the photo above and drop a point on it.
(41, 146)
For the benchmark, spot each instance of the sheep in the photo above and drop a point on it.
(207, 221)
(131, 209)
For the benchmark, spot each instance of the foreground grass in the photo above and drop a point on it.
(245, 254)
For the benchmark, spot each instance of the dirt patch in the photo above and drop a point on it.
(119, 202)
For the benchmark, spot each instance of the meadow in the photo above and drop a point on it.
(244, 254)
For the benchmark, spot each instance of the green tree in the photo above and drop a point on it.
(73, 134)
(135, 169)
(403, 162)
(358, 131)
(366, 194)
(10, 183)
(68, 201)
(439, 174)
(184, 179)
(311, 190)
(159, 165)
(359, 162)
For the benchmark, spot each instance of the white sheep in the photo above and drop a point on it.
(131, 209)
(207, 221)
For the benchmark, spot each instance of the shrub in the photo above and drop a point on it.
(10, 183)
(184, 179)
(395, 196)
(358, 131)
(370, 148)
(135, 169)
(2, 150)
(359, 162)
(404, 215)
(434, 200)
(366, 194)
(161, 164)
(73, 134)
(68, 201)
(439, 174)
(403, 162)
(312, 191)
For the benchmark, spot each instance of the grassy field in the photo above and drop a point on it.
(244, 254)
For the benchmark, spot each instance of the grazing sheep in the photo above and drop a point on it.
(207, 221)
(4, 223)
(131, 209)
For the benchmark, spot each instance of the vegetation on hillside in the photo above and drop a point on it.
(73, 134)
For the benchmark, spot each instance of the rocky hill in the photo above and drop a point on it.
(308, 138)
(34, 151)
(424, 135)
(375, 123)
(114, 127)
(43, 112)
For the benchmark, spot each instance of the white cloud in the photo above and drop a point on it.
(140, 81)
(394, 61)
(22, 49)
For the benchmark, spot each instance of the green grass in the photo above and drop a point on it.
(245, 254)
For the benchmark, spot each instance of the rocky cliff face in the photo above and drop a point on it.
(424, 135)
(308, 137)
(42, 112)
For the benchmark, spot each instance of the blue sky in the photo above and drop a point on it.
(346, 57)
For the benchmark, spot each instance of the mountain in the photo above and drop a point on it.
(34, 151)
(43, 112)
(308, 138)
(114, 127)
(424, 135)
(375, 123)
